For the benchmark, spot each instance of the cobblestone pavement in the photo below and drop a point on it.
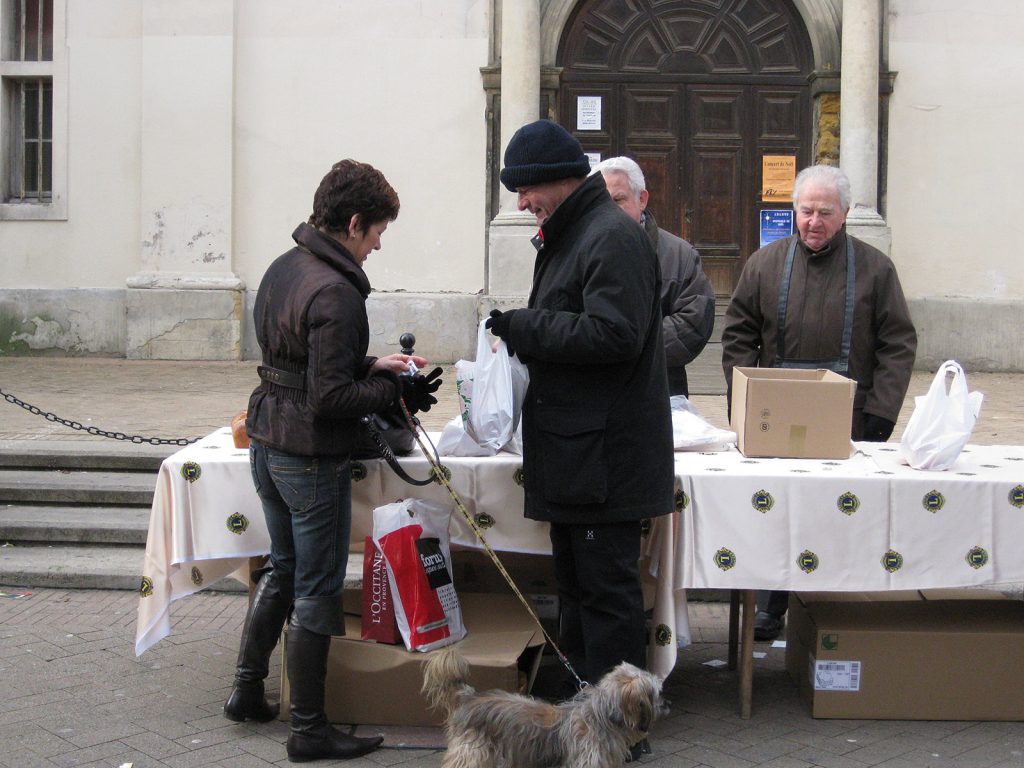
(74, 694)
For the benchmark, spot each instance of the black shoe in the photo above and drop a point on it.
(766, 626)
(248, 703)
(326, 742)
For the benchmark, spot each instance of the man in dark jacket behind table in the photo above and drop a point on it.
(596, 425)
(823, 299)
(687, 298)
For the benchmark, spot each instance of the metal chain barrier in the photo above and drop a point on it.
(137, 439)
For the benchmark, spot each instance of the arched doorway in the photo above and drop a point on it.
(697, 92)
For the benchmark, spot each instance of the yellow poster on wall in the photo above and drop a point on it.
(778, 172)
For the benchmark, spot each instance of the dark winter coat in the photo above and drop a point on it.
(687, 303)
(597, 431)
(884, 341)
(310, 317)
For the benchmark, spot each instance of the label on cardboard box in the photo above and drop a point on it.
(831, 675)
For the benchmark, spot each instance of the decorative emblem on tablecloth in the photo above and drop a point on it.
(933, 501)
(191, 471)
(197, 576)
(762, 501)
(645, 527)
(237, 523)
(848, 503)
(1016, 497)
(682, 500)
(518, 477)
(977, 557)
(445, 471)
(483, 520)
(725, 559)
(146, 587)
(807, 561)
(892, 561)
(359, 472)
(663, 634)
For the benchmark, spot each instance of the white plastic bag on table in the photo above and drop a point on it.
(942, 421)
(455, 440)
(499, 386)
(491, 392)
(413, 537)
(691, 432)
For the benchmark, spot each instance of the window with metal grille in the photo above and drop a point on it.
(28, 107)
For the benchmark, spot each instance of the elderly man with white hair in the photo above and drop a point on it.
(823, 299)
(687, 298)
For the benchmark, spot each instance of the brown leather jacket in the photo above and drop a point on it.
(310, 317)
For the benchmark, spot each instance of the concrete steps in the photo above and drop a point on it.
(74, 514)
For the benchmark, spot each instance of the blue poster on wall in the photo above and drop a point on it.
(775, 225)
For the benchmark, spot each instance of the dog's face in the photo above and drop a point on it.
(636, 694)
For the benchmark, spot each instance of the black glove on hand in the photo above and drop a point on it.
(877, 429)
(418, 390)
(499, 323)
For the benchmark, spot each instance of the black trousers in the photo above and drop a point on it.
(602, 607)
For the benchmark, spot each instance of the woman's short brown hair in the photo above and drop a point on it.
(351, 188)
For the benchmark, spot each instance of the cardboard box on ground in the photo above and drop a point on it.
(371, 683)
(928, 655)
(792, 413)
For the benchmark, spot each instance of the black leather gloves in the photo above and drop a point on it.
(418, 390)
(877, 429)
(499, 323)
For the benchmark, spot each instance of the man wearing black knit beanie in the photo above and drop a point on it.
(597, 442)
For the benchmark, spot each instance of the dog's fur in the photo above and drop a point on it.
(498, 729)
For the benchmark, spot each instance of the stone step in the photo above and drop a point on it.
(85, 524)
(105, 455)
(80, 566)
(76, 486)
(87, 566)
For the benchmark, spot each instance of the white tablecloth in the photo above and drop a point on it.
(866, 523)
(207, 522)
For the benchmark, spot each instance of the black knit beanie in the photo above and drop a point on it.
(542, 151)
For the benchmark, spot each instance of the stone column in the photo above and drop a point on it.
(186, 303)
(858, 113)
(510, 254)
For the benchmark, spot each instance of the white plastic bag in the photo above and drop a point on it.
(413, 537)
(691, 432)
(491, 392)
(942, 421)
(499, 385)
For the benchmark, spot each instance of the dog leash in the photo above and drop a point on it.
(440, 475)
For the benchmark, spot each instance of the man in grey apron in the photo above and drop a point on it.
(823, 299)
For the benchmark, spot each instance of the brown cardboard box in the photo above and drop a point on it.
(792, 413)
(373, 683)
(534, 575)
(911, 660)
(798, 619)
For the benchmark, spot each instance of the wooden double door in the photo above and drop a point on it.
(697, 92)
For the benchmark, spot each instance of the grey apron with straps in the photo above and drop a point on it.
(841, 364)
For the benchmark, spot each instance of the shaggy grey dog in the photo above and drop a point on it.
(498, 729)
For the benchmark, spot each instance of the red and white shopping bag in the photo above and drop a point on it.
(413, 537)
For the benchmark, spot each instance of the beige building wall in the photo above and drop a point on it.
(955, 199)
(197, 131)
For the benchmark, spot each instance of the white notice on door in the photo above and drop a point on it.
(588, 113)
(836, 675)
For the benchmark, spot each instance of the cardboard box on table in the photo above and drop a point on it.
(792, 412)
(378, 684)
(914, 659)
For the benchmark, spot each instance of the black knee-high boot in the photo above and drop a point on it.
(263, 624)
(312, 737)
